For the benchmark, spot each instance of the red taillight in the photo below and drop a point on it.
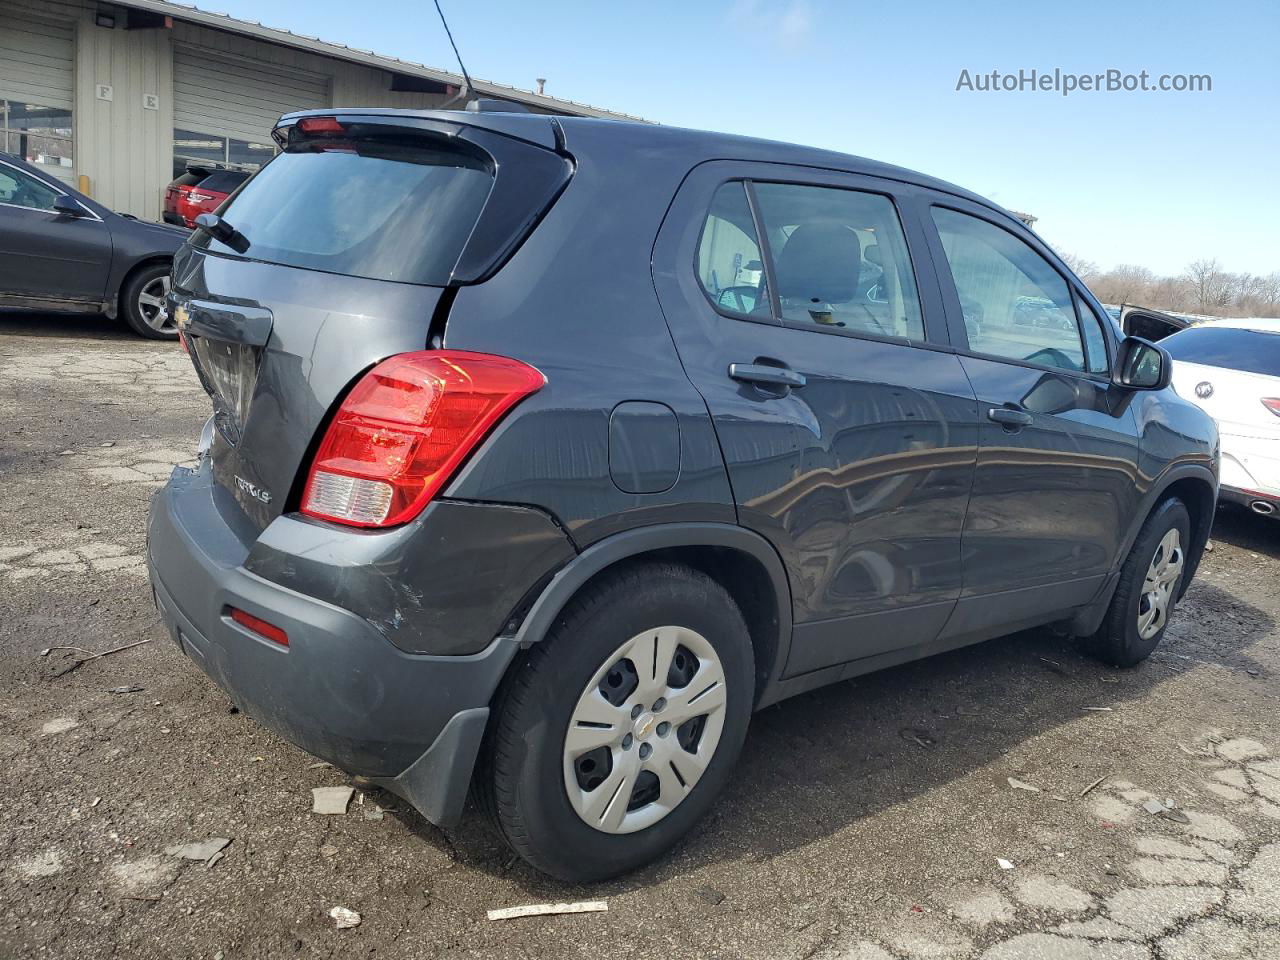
(1272, 404)
(319, 125)
(259, 626)
(404, 429)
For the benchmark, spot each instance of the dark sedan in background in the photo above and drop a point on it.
(61, 251)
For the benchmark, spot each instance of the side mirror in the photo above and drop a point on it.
(223, 232)
(64, 206)
(1141, 365)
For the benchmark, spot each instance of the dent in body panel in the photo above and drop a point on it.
(444, 584)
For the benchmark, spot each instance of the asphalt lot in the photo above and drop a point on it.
(866, 820)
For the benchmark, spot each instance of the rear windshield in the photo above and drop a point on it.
(224, 181)
(387, 208)
(1253, 351)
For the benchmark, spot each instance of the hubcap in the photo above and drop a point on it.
(1160, 585)
(644, 729)
(153, 307)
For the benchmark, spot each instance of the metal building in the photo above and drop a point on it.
(116, 98)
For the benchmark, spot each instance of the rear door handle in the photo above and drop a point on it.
(766, 374)
(1009, 417)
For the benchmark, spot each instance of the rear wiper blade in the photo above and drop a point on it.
(223, 232)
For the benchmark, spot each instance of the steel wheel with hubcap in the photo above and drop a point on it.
(1149, 585)
(1163, 576)
(617, 731)
(644, 729)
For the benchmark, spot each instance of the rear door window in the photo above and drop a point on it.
(1015, 304)
(392, 207)
(839, 260)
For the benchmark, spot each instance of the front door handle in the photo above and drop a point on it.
(1009, 417)
(766, 374)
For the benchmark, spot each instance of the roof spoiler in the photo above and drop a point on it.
(496, 106)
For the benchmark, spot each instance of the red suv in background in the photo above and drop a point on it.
(199, 190)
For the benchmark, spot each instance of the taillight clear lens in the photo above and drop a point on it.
(1272, 404)
(405, 428)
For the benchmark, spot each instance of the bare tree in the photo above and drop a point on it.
(1210, 285)
(1126, 283)
(1086, 270)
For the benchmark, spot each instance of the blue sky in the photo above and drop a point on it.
(1157, 179)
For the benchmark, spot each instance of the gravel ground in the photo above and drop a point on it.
(866, 820)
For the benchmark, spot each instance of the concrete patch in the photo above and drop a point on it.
(1259, 894)
(1046, 946)
(1164, 847)
(1242, 749)
(147, 877)
(1212, 939)
(1152, 910)
(1209, 826)
(1045, 893)
(981, 907)
(1185, 872)
(44, 864)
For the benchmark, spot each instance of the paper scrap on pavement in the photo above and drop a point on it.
(543, 909)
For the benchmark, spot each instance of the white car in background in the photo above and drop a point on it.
(1231, 368)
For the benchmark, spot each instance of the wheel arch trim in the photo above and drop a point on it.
(644, 540)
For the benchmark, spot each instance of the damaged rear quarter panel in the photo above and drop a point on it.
(444, 584)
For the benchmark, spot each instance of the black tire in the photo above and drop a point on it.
(1118, 641)
(133, 311)
(521, 779)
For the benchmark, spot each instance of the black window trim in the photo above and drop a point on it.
(775, 317)
(1080, 299)
(948, 280)
(769, 319)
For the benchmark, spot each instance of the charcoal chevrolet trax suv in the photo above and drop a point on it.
(546, 449)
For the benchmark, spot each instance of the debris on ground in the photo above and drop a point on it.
(132, 688)
(1023, 785)
(374, 813)
(710, 894)
(1165, 809)
(107, 443)
(1208, 546)
(1004, 864)
(59, 725)
(331, 800)
(1093, 786)
(344, 918)
(76, 664)
(546, 909)
(203, 850)
(1099, 709)
(310, 766)
(96, 801)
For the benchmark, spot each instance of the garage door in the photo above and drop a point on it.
(224, 107)
(37, 59)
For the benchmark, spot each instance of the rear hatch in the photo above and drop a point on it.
(344, 250)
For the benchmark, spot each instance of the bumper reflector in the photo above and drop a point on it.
(259, 626)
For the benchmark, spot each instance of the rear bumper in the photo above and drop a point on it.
(340, 690)
(1264, 502)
